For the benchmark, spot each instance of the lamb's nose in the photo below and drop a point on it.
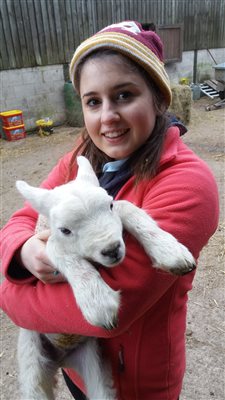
(112, 251)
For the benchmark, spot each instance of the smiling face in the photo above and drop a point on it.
(118, 106)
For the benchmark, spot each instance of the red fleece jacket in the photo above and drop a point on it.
(147, 350)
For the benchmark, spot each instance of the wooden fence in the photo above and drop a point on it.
(44, 32)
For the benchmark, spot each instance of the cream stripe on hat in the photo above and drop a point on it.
(130, 47)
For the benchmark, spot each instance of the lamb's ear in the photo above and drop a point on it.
(86, 172)
(39, 198)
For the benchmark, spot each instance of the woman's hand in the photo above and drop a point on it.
(33, 257)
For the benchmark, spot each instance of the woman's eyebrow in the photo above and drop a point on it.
(124, 84)
(89, 94)
(116, 87)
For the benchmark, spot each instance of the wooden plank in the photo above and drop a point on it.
(14, 33)
(34, 32)
(52, 32)
(113, 15)
(212, 83)
(129, 11)
(7, 34)
(64, 33)
(138, 11)
(88, 17)
(28, 33)
(79, 22)
(4, 59)
(75, 23)
(58, 26)
(36, 40)
(46, 31)
(38, 21)
(21, 35)
(121, 10)
(98, 15)
(70, 31)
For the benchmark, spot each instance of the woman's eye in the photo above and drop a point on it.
(124, 95)
(92, 102)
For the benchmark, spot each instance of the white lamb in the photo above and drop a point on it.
(87, 228)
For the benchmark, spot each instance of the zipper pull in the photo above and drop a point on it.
(121, 359)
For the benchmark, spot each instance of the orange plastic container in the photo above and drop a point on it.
(14, 133)
(12, 118)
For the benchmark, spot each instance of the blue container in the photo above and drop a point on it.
(196, 92)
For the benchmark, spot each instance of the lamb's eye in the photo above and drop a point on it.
(111, 206)
(65, 231)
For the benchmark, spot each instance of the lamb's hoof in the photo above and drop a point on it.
(181, 270)
(176, 259)
(107, 319)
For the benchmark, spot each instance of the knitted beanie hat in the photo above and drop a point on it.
(128, 38)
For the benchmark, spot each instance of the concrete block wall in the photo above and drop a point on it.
(38, 92)
(205, 62)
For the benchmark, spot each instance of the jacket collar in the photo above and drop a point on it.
(170, 147)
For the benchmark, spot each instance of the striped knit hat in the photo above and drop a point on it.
(128, 38)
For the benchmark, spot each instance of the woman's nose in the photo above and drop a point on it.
(109, 113)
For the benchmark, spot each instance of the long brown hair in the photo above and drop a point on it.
(145, 160)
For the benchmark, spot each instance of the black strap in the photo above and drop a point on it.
(75, 391)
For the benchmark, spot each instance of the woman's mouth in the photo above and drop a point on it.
(113, 135)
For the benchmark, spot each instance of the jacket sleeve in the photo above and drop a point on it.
(21, 227)
(184, 202)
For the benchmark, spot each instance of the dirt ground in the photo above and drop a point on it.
(31, 159)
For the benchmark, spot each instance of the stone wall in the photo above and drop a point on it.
(205, 63)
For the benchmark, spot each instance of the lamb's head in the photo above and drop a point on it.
(82, 218)
(87, 225)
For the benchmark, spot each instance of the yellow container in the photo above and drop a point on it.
(12, 118)
(44, 122)
(44, 126)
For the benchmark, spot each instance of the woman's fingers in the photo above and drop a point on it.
(34, 258)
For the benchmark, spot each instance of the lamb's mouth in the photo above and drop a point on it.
(95, 264)
(114, 261)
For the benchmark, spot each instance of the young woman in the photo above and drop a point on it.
(125, 92)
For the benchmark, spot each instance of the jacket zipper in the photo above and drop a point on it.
(121, 364)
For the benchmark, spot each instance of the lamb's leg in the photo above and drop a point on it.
(97, 376)
(163, 248)
(36, 379)
(98, 302)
